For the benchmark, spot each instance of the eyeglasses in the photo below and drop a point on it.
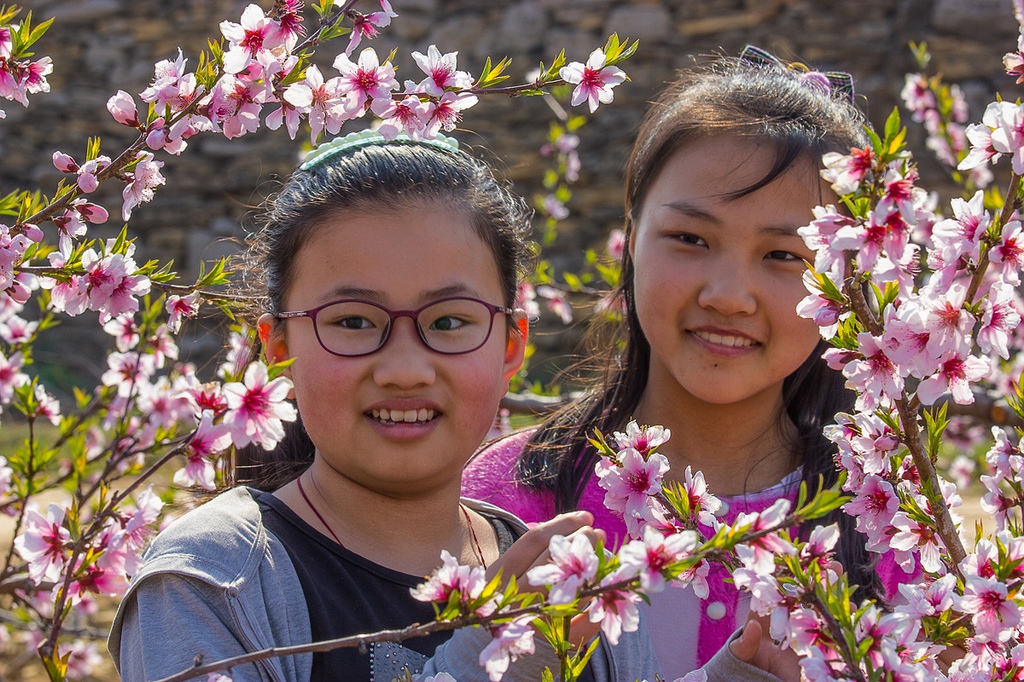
(352, 327)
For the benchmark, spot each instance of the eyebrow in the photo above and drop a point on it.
(687, 209)
(379, 297)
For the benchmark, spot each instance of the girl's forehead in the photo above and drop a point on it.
(396, 253)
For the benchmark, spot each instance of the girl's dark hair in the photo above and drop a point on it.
(376, 176)
(729, 97)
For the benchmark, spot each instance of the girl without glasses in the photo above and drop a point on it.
(388, 270)
(723, 173)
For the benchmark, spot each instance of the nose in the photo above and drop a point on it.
(404, 362)
(728, 290)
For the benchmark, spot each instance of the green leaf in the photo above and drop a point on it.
(892, 124)
(876, 142)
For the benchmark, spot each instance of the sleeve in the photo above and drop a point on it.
(170, 622)
(460, 658)
(725, 667)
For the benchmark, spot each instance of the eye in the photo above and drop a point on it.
(446, 323)
(785, 256)
(691, 239)
(354, 322)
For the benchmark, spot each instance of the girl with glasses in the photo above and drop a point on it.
(388, 271)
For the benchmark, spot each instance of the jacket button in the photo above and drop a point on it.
(716, 610)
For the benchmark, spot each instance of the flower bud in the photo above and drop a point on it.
(64, 163)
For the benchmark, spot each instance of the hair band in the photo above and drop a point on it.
(365, 138)
(837, 83)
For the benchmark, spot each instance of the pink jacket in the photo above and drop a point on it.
(686, 642)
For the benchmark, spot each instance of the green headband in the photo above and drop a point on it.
(365, 138)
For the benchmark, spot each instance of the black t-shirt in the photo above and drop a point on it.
(349, 595)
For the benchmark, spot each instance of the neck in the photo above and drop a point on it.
(405, 534)
(740, 447)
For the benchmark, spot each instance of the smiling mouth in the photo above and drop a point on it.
(732, 341)
(420, 416)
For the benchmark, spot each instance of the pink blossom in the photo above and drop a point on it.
(256, 33)
(46, 406)
(994, 613)
(124, 331)
(452, 577)
(1007, 132)
(630, 482)
(441, 72)
(508, 643)
(643, 439)
(409, 116)
(144, 178)
(960, 237)
(875, 376)
(42, 543)
(955, 375)
(6, 42)
(83, 658)
(126, 370)
(87, 181)
(615, 610)
(873, 507)
(366, 79)
(845, 172)
(208, 440)
(928, 600)
(446, 112)
(236, 103)
(11, 376)
(573, 563)
(326, 102)
(167, 83)
(998, 319)
(1010, 252)
(696, 490)
(110, 283)
(556, 302)
(819, 236)
(554, 207)
(6, 474)
(649, 557)
(758, 554)
(917, 95)
(64, 163)
(911, 537)
(594, 81)
(367, 26)
(257, 406)
(616, 244)
(122, 107)
(180, 307)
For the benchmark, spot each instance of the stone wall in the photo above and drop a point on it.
(99, 46)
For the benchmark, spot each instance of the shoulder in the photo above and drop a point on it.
(218, 542)
(494, 465)
(491, 476)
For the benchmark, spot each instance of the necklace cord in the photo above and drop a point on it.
(465, 512)
(317, 512)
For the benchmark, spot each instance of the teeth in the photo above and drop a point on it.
(735, 341)
(403, 416)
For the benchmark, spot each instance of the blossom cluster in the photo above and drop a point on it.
(151, 408)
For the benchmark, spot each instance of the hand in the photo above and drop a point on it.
(755, 647)
(532, 550)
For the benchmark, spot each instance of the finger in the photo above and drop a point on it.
(532, 546)
(745, 646)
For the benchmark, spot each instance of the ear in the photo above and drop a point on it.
(631, 235)
(515, 347)
(275, 347)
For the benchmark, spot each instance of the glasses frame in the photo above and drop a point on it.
(392, 316)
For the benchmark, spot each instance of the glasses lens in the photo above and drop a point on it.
(457, 325)
(351, 328)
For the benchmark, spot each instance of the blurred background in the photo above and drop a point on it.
(209, 201)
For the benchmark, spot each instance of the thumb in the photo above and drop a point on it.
(745, 646)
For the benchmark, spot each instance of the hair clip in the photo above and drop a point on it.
(834, 82)
(365, 138)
